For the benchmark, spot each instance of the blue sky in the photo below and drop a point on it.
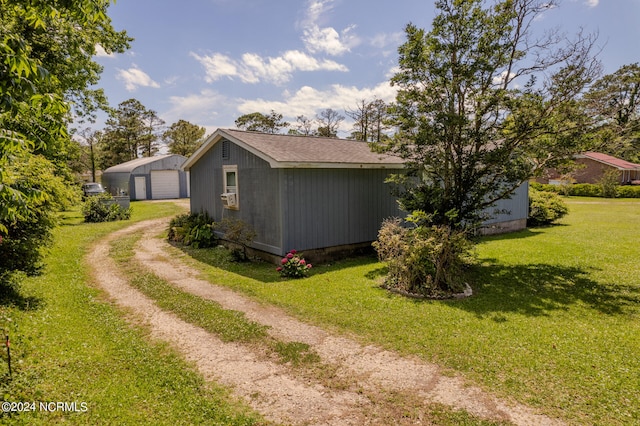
(210, 61)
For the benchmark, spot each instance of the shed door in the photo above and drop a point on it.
(165, 184)
(141, 187)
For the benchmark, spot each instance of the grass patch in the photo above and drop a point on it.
(69, 345)
(73, 347)
(233, 326)
(229, 325)
(296, 353)
(554, 321)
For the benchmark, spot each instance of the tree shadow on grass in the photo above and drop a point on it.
(517, 235)
(378, 273)
(12, 296)
(222, 258)
(265, 272)
(538, 289)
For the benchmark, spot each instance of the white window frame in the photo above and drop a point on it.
(231, 188)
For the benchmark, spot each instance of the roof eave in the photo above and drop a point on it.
(324, 165)
(202, 150)
(216, 137)
(633, 167)
(220, 134)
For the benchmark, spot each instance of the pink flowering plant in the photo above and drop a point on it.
(293, 265)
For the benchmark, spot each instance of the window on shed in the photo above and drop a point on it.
(230, 181)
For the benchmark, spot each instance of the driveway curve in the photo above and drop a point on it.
(279, 392)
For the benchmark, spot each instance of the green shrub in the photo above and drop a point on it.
(177, 227)
(31, 195)
(103, 208)
(628, 191)
(545, 207)
(240, 234)
(199, 231)
(609, 183)
(547, 187)
(590, 189)
(423, 260)
(585, 190)
(576, 190)
(193, 229)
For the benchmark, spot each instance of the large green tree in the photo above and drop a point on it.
(87, 141)
(46, 73)
(303, 126)
(183, 137)
(259, 122)
(614, 103)
(370, 120)
(483, 105)
(329, 123)
(153, 126)
(131, 131)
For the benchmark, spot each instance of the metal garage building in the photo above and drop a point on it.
(148, 178)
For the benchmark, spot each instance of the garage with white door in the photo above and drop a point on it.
(165, 184)
(149, 178)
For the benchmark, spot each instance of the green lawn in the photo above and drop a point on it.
(69, 345)
(554, 321)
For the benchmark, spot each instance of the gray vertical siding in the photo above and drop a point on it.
(204, 185)
(514, 208)
(332, 207)
(115, 183)
(307, 208)
(295, 208)
(124, 181)
(258, 193)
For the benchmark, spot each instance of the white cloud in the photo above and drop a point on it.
(253, 68)
(171, 81)
(212, 110)
(308, 100)
(384, 40)
(134, 77)
(326, 40)
(592, 3)
(499, 80)
(392, 72)
(217, 66)
(201, 108)
(101, 53)
(316, 9)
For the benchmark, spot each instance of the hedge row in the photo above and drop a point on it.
(588, 190)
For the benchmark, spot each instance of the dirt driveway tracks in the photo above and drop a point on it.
(373, 377)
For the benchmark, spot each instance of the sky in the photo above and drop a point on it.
(211, 61)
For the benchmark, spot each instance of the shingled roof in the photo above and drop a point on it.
(610, 160)
(288, 151)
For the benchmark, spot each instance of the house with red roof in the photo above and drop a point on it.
(594, 165)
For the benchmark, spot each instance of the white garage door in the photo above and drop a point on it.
(165, 184)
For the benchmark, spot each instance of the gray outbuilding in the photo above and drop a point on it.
(148, 178)
(312, 194)
(298, 192)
